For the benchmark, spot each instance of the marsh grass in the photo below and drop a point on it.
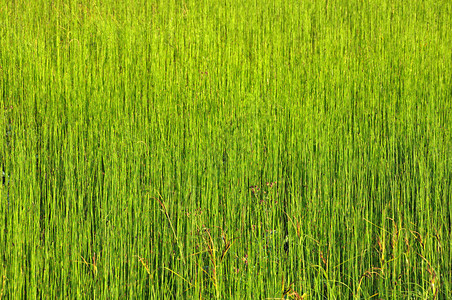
(226, 149)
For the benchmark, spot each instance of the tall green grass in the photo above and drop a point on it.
(226, 149)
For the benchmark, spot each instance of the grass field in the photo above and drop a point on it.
(229, 149)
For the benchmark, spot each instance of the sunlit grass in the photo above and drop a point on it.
(226, 149)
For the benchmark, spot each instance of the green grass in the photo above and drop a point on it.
(226, 149)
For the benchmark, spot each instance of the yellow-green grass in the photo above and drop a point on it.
(226, 149)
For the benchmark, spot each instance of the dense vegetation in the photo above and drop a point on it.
(226, 149)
